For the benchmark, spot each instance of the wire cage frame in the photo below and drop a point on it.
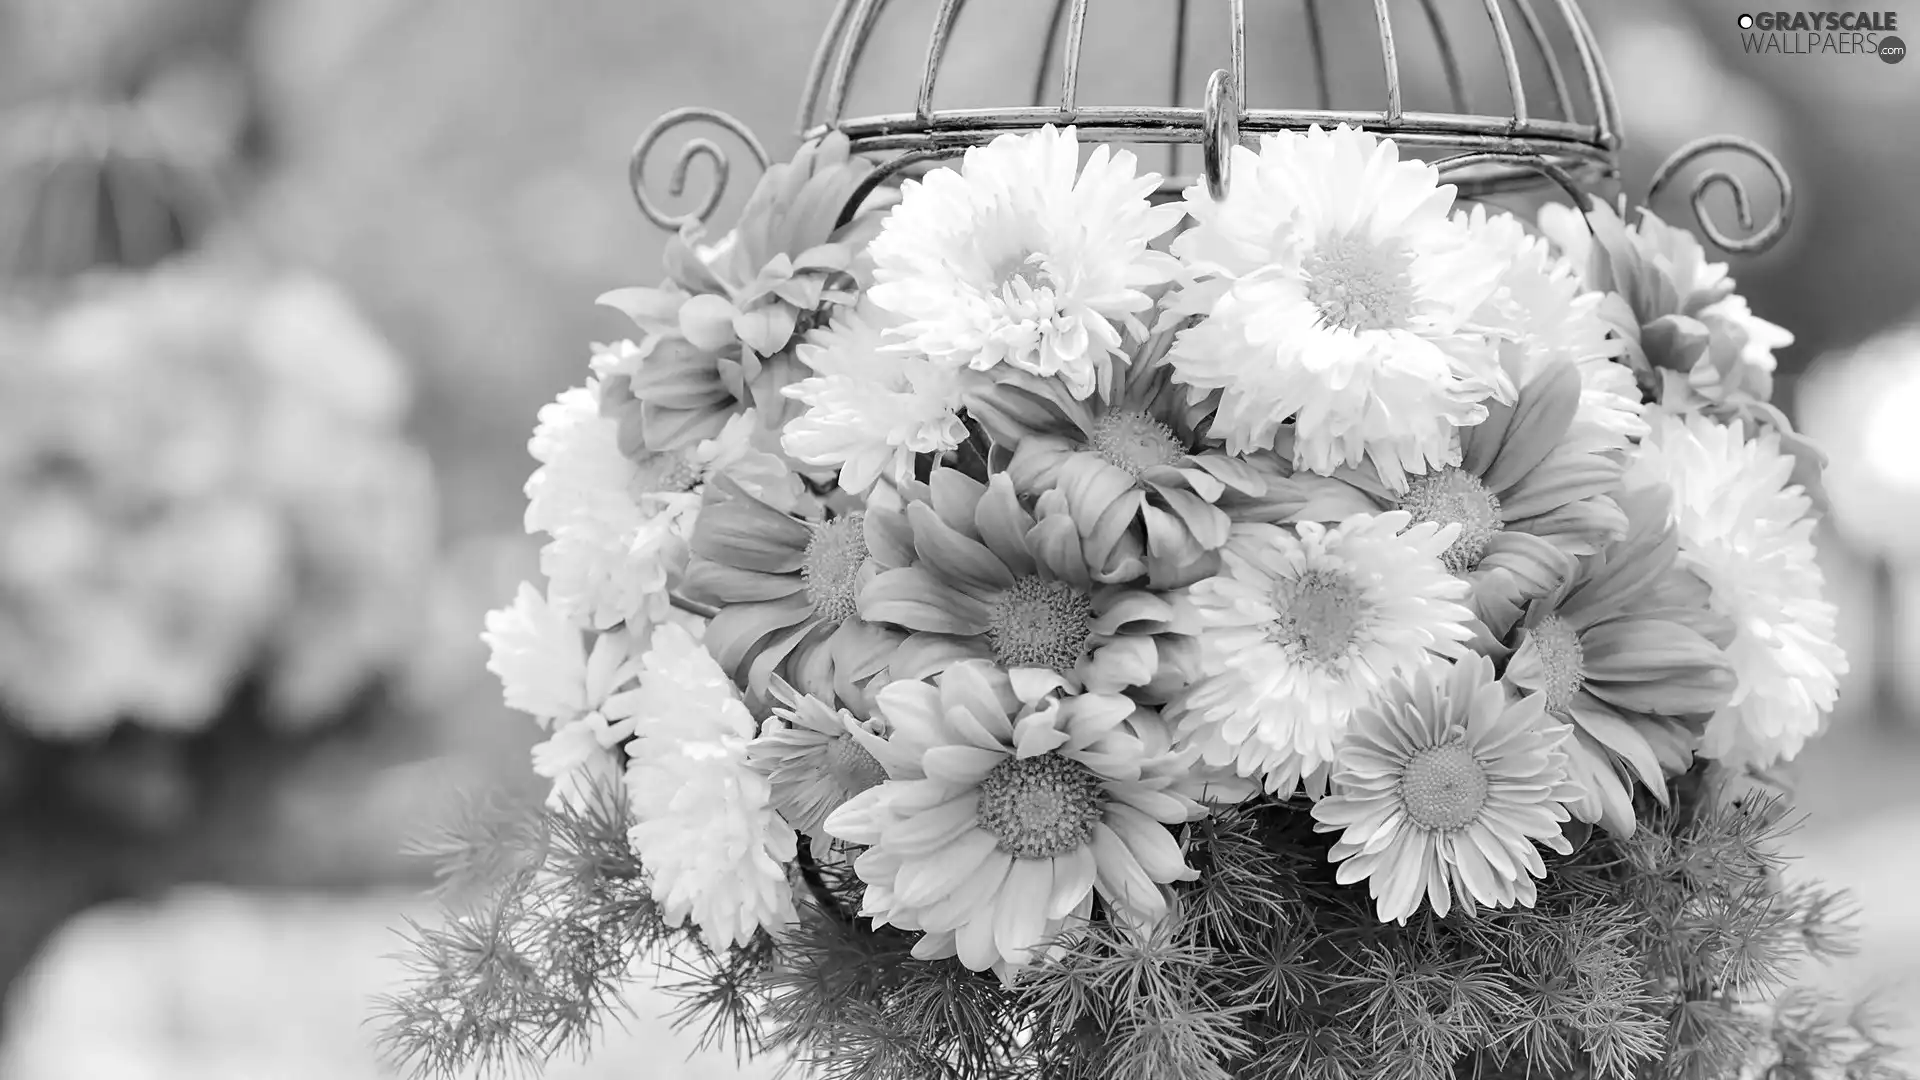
(1569, 136)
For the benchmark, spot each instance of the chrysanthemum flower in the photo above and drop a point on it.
(1624, 648)
(1338, 293)
(1443, 788)
(1306, 627)
(1691, 339)
(585, 697)
(1746, 531)
(715, 849)
(1692, 342)
(1550, 317)
(619, 517)
(871, 408)
(718, 336)
(1529, 495)
(787, 589)
(1004, 818)
(973, 574)
(1022, 257)
(579, 760)
(816, 757)
(1131, 464)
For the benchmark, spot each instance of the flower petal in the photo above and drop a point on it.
(749, 534)
(1645, 665)
(913, 598)
(931, 830)
(953, 556)
(1020, 911)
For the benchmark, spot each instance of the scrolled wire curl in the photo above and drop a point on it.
(694, 148)
(1767, 236)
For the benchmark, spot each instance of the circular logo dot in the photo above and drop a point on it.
(1892, 50)
(1746, 22)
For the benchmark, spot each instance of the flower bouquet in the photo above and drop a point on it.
(1012, 625)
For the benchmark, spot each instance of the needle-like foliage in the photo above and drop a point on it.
(1665, 956)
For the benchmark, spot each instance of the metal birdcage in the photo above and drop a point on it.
(1559, 123)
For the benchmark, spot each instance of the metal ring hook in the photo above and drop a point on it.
(1221, 120)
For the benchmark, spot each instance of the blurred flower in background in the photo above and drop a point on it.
(204, 472)
(1861, 406)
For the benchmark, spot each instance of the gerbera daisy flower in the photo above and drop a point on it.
(786, 588)
(1338, 293)
(871, 408)
(1024, 258)
(972, 574)
(619, 516)
(1528, 494)
(1308, 626)
(1624, 649)
(718, 336)
(1443, 789)
(1131, 463)
(1689, 337)
(816, 757)
(1746, 531)
(1004, 818)
(715, 849)
(1551, 317)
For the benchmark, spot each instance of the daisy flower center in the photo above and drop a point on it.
(852, 767)
(1456, 497)
(1560, 661)
(1320, 615)
(831, 569)
(1038, 623)
(1040, 807)
(668, 473)
(1358, 284)
(1443, 787)
(1134, 442)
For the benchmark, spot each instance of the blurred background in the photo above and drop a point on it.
(436, 189)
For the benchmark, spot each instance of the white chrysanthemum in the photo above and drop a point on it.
(578, 758)
(584, 696)
(1747, 533)
(1022, 257)
(620, 523)
(1339, 292)
(583, 496)
(870, 408)
(704, 822)
(1549, 315)
(1303, 629)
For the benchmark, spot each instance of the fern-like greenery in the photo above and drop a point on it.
(1667, 955)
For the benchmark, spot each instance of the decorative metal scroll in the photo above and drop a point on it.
(1758, 241)
(1519, 145)
(699, 146)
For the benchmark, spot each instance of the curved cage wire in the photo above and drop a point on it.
(1523, 95)
(1573, 125)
